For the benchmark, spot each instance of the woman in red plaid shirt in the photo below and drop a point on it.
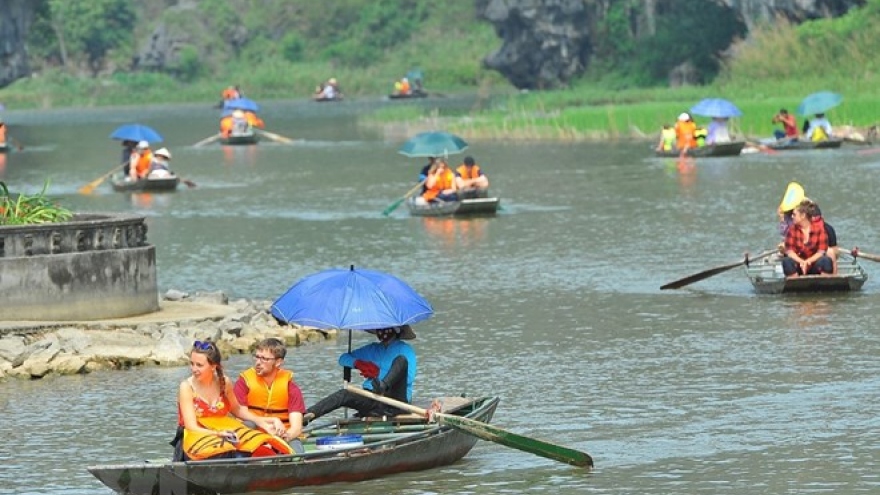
(806, 244)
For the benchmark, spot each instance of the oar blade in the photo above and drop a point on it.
(713, 271)
(535, 446)
(393, 206)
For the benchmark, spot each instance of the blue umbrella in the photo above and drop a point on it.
(434, 143)
(716, 107)
(819, 103)
(136, 132)
(241, 104)
(351, 299)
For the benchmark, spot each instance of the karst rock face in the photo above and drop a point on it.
(15, 20)
(547, 43)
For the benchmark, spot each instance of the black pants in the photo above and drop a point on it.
(394, 384)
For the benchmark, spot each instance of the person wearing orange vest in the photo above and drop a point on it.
(2, 133)
(253, 119)
(470, 179)
(141, 159)
(206, 405)
(269, 390)
(685, 130)
(231, 93)
(440, 184)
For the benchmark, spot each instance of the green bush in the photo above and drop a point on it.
(292, 47)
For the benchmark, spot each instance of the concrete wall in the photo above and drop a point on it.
(94, 267)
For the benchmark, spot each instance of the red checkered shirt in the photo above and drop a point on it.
(818, 240)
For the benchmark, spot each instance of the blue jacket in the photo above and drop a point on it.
(383, 356)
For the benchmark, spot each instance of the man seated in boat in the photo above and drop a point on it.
(439, 184)
(267, 389)
(402, 88)
(667, 138)
(141, 159)
(718, 132)
(789, 125)
(819, 129)
(470, 181)
(806, 245)
(160, 168)
(253, 119)
(209, 415)
(794, 196)
(684, 133)
(329, 90)
(388, 367)
(235, 124)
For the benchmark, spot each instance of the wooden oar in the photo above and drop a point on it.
(190, 184)
(713, 271)
(207, 140)
(485, 431)
(393, 206)
(274, 137)
(90, 187)
(858, 254)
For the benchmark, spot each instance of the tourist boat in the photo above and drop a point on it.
(785, 144)
(464, 207)
(718, 149)
(767, 277)
(344, 450)
(411, 94)
(4, 148)
(241, 139)
(148, 184)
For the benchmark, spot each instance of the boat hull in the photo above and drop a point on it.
(414, 94)
(464, 207)
(423, 446)
(241, 140)
(767, 278)
(162, 184)
(783, 145)
(718, 149)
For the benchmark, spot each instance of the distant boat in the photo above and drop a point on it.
(798, 144)
(241, 139)
(464, 207)
(412, 94)
(718, 149)
(148, 184)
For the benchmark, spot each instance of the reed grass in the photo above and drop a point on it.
(22, 209)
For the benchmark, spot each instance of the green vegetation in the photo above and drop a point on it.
(27, 210)
(283, 48)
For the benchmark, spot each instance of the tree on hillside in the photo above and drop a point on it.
(88, 27)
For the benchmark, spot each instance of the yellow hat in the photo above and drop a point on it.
(794, 194)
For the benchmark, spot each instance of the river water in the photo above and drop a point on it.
(554, 305)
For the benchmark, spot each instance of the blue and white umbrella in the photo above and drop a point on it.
(136, 132)
(819, 103)
(716, 107)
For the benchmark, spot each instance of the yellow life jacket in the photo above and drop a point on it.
(668, 136)
(700, 135)
(268, 400)
(463, 172)
(819, 134)
(198, 446)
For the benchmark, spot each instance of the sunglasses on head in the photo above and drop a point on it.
(203, 346)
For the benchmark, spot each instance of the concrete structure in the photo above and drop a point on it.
(95, 266)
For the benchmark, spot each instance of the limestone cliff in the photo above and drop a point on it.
(15, 19)
(547, 43)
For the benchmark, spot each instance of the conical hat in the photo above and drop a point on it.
(794, 194)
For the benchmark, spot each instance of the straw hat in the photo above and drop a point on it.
(163, 152)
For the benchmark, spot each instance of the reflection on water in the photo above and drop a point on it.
(554, 305)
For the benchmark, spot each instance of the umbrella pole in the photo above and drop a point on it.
(346, 372)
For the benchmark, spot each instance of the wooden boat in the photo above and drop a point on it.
(718, 149)
(784, 144)
(396, 445)
(767, 277)
(5, 148)
(412, 94)
(464, 207)
(149, 184)
(241, 139)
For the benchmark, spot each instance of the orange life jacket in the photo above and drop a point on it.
(254, 120)
(684, 132)
(465, 174)
(142, 166)
(230, 94)
(199, 445)
(226, 126)
(445, 181)
(268, 400)
(2, 133)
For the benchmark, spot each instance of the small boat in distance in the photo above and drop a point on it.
(785, 144)
(718, 149)
(346, 450)
(463, 207)
(149, 184)
(244, 139)
(767, 277)
(416, 93)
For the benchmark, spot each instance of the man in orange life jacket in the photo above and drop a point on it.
(140, 161)
(268, 390)
(470, 181)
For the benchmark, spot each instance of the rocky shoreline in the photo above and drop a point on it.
(32, 350)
